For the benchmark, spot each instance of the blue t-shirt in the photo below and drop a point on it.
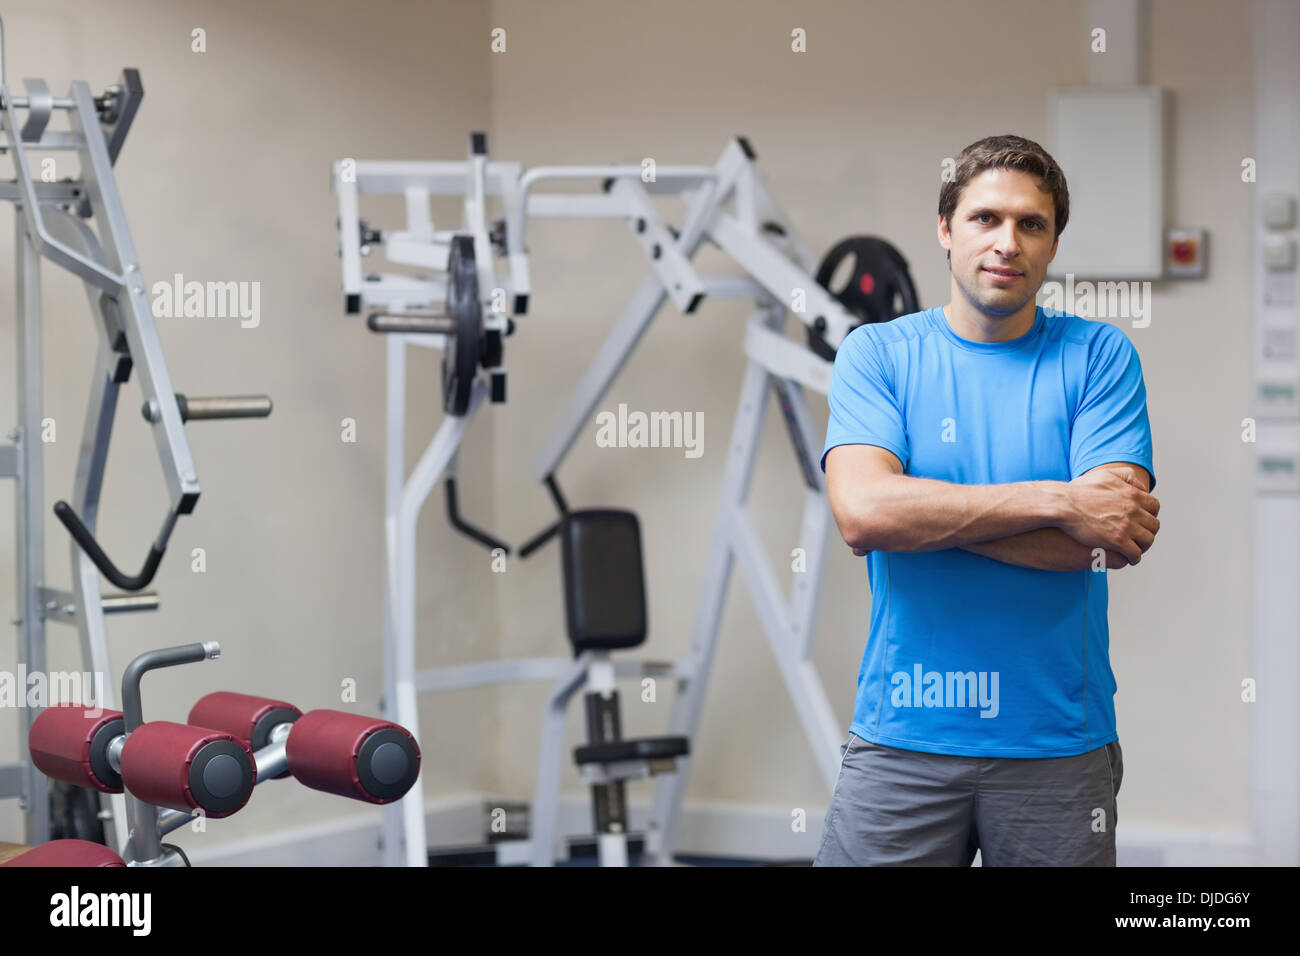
(967, 655)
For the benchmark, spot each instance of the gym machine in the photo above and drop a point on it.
(863, 279)
(171, 773)
(80, 225)
(459, 306)
(53, 221)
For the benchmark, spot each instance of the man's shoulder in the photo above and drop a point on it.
(895, 330)
(1074, 328)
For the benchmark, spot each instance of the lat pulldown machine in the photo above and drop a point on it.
(605, 604)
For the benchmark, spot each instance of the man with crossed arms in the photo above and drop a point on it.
(992, 460)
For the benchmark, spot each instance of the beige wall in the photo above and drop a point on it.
(226, 177)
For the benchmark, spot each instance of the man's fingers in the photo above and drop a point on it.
(1147, 520)
(1132, 551)
(1148, 501)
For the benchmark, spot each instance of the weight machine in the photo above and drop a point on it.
(172, 773)
(164, 765)
(757, 235)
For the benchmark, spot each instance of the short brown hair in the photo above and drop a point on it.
(1007, 152)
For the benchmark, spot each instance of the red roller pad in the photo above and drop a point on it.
(234, 714)
(323, 748)
(59, 742)
(156, 763)
(67, 853)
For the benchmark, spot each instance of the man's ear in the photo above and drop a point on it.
(945, 234)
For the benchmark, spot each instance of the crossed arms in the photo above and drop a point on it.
(1048, 525)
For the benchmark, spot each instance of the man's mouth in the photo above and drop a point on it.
(1009, 273)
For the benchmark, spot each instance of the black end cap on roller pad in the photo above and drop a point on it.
(99, 765)
(521, 305)
(478, 143)
(221, 777)
(695, 302)
(268, 722)
(387, 764)
(352, 303)
(498, 387)
(749, 150)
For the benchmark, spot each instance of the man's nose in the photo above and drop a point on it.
(1008, 245)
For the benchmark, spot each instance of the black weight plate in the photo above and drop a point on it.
(461, 352)
(879, 288)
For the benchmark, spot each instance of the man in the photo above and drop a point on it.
(992, 460)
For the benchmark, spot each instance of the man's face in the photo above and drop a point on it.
(1002, 239)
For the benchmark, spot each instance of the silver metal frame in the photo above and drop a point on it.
(776, 267)
(46, 227)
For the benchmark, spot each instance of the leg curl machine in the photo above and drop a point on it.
(171, 773)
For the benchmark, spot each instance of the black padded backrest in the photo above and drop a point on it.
(604, 583)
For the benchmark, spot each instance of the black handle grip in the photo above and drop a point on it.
(81, 534)
(464, 527)
(535, 542)
(549, 532)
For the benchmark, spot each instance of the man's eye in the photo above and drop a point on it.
(1035, 225)
(983, 215)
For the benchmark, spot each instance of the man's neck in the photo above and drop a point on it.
(970, 323)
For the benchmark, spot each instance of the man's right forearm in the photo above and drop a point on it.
(911, 514)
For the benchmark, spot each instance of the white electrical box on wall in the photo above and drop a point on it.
(1109, 141)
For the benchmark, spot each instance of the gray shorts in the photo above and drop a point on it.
(894, 807)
